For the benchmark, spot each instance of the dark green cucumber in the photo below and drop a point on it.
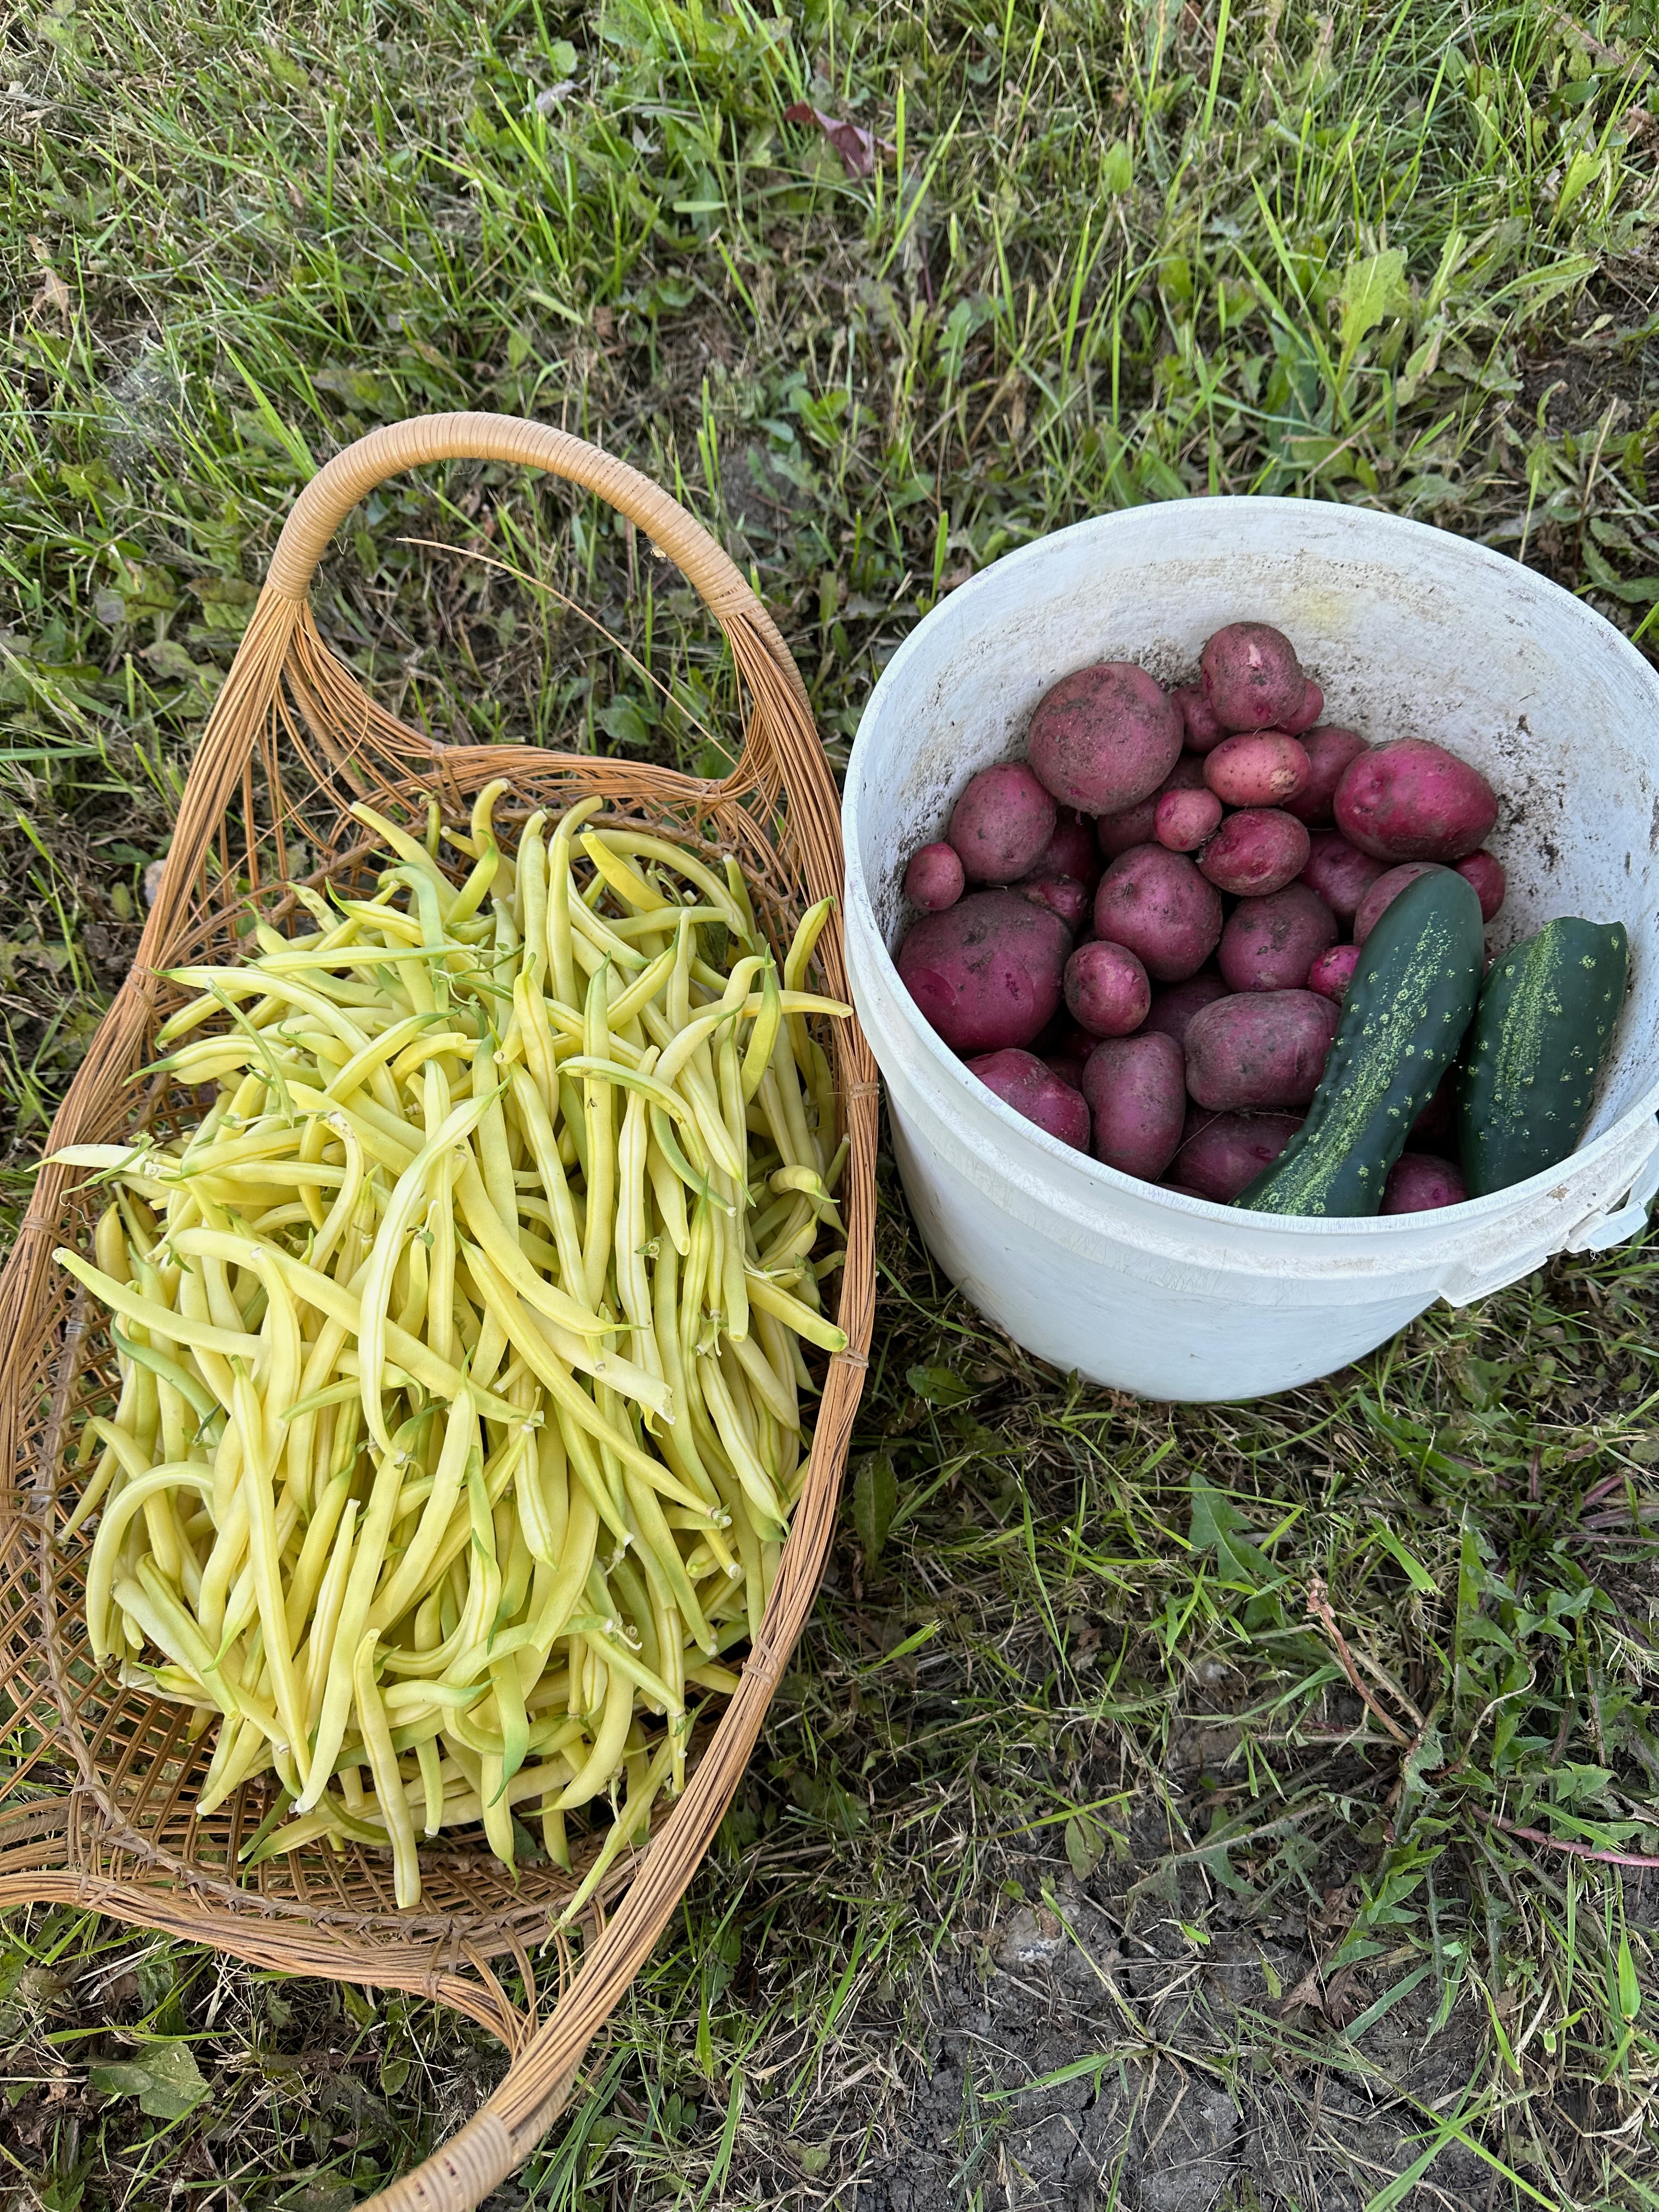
(1403, 1018)
(1536, 1047)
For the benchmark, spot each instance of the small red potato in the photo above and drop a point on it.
(1069, 1071)
(1255, 852)
(1106, 991)
(1312, 706)
(1338, 872)
(1104, 737)
(1000, 824)
(1262, 1049)
(1485, 871)
(1383, 892)
(1270, 944)
(1173, 1009)
(1137, 1102)
(1412, 801)
(1203, 730)
(1158, 905)
(1331, 752)
(1061, 894)
(1220, 1154)
(1071, 850)
(1120, 833)
(986, 972)
(1185, 818)
(1021, 1080)
(934, 879)
(1419, 1184)
(1258, 767)
(1333, 972)
(1251, 676)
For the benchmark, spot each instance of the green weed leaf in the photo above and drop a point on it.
(164, 2077)
(1372, 289)
(875, 1496)
(938, 1385)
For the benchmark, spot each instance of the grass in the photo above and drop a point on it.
(1070, 1837)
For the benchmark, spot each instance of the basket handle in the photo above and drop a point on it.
(354, 472)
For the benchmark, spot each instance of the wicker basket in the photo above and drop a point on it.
(95, 1778)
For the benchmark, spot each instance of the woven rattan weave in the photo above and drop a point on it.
(97, 1779)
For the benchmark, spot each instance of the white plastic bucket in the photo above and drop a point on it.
(1411, 633)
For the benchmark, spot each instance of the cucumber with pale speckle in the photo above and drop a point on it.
(1536, 1046)
(1403, 1018)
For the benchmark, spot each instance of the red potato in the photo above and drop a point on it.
(1158, 905)
(934, 879)
(1312, 706)
(1106, 991)
(1338, 872)
(1203, 730)
(1185, 818)
(1412, 801)
(1255, 852)
(1333, 972)
(1251, 675)
(1257, 768)
(1221, 1153)
(1120, 833)
(1270, 944)
(985, 973)
(1383, 892)
(1417, 1184)
(1172, 1011)
(1021, 1080)
(1104, 737)
(1071, 850)
(1485, 871)
(1069, 1071)
(1331, 752)
(1137, 1102)
(1262, 1049)
(1000, 824)
(1061, 894)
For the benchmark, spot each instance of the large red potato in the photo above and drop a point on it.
(1270, 944)
(1104, 737)
(1221, 1153)
(1137, 1102)
(1158, 905)
(1251, 676)
(1021, 1080)
(1259, 1049)
(1002, 823)
(986, 972)
(1413, 800)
